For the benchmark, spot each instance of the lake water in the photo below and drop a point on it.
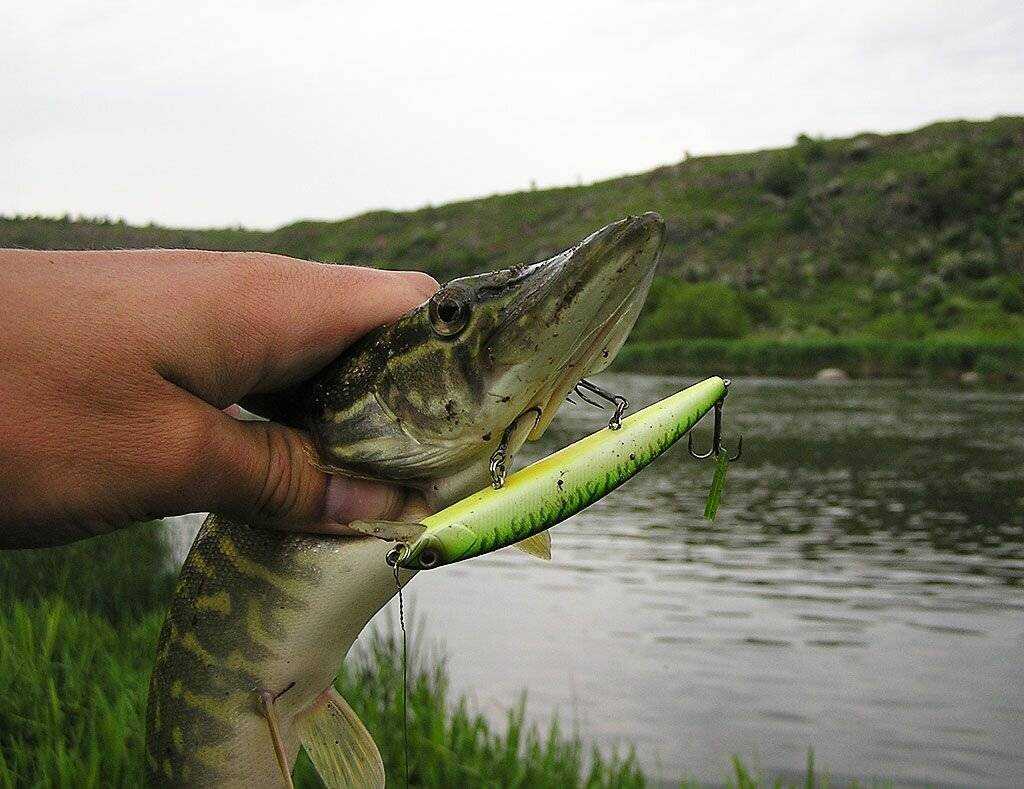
(861, 592)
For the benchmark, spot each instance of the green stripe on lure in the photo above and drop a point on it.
(550, 490)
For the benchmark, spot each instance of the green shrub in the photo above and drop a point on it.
(930, 291)
(798, 217)
(1013, 212)
(950, 266)
(992, 366)
(988, 289)
(949, 312)
(758, 305)
(1011, 298)
(695, 272)
(812, 149)
(886, 280)
(937, 355)
(678, 309)
(921, 251)
(860, 149)
(983, 319)
(979, 264)
(900, 326)
(785, 175)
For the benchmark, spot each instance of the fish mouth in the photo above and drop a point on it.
(582, 304)
(590, 356)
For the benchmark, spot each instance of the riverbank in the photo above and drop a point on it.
(896, 237)
(78, 630)
(942, 358)
(756, 634)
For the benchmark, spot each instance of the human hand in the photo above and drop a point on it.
(115, 368)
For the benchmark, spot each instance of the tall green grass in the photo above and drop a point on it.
(74, 695)
(78, 629)
(450, 744)
(73, 690)
(121, 577)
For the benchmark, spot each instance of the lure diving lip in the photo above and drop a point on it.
(552, 489)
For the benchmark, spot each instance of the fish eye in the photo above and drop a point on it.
(448, 313)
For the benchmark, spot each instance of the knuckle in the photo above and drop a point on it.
(284, 473)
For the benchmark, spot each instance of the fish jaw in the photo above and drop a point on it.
(413, 403)
(593, 307)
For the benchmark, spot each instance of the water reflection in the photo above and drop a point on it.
(860, 592)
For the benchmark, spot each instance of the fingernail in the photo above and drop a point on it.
(351, 499)
(421, 282)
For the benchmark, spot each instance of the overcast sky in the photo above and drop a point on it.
(263, 112)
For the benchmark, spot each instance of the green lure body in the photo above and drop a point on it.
(551, 490)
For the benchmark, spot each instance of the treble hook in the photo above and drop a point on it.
(716, 442)
(620, 402)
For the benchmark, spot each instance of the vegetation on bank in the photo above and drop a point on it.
(884, 238)
(941, 356)
(78, 629)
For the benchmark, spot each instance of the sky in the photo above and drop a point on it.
(262, 112)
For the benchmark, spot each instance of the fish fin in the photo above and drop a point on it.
(391, 531)
(538, 545)
(338, 744)
(267, 701)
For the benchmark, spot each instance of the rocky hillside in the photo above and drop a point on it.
(896, 236)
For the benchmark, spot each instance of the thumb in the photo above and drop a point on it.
(263, 472)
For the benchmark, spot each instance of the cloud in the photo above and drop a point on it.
(263, 112)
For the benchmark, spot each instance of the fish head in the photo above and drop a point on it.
(487, 355)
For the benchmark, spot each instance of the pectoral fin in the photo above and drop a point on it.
(538, 545)
(339, 745)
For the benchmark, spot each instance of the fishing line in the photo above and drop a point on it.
(405, 676)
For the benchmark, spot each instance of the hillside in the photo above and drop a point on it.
(905, 238)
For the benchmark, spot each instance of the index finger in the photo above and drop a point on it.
(264, 323)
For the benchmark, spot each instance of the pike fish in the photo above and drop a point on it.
(261, 620)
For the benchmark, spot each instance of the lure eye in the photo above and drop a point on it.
(428, 558)
(448, 314)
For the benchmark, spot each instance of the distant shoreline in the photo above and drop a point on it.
(939, 358)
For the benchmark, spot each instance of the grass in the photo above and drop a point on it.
(824, 240)
(450, 745)
(78, 628)
(73, 689)
(935, 356)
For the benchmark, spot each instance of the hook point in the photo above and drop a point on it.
(689, 448)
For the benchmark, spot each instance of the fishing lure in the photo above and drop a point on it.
(550, 490)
